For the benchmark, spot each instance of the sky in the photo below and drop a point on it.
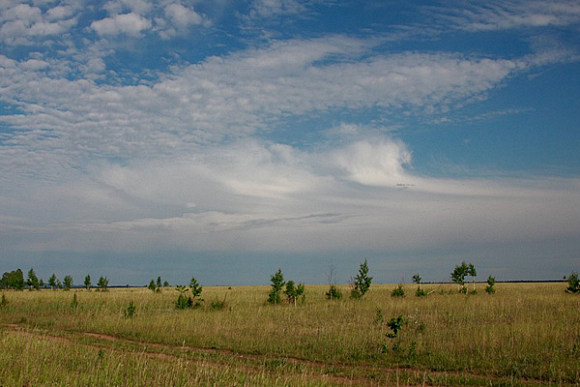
(224, 139)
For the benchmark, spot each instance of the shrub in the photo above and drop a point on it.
(396, 324)
(130, 311)
(420, 292)
(573, 283)
(398, 291)
(333, 293)
(183, 301)
(74, 302)
(4, 301)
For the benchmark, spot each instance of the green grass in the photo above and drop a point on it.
(525, 334)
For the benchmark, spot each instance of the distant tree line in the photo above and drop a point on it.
(15, 280)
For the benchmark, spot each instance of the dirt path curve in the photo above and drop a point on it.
(321, 370)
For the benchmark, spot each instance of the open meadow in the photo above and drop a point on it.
(524, 335)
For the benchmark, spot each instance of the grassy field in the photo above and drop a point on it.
(524, 335)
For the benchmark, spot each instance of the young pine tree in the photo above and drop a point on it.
(278, 283)
(362, 282)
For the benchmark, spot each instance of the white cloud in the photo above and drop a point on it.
(474, 16)
(272, 8)
(380, 163)
(22, 23)
(182, 17)
(128, 23)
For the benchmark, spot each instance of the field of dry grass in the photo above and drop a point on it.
(525, 334)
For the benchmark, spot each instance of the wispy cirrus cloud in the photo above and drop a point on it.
(506, 15)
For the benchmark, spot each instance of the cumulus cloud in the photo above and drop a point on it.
(128, 23)
(22, 23)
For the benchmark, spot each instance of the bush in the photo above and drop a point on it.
(130, 311)
(333, 293)
(183, 301)
(420, 292)
(396, 324)
(573, 283)
(398, 292)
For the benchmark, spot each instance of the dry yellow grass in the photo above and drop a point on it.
(524, 334)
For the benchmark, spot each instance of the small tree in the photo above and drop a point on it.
(461, 271)
(152, 286)
(362, 282)
(573, 283)
(333, 293)
(292, 292)
(196, 289)
(159, 284)
(32, 280)
(417, 279)
(490, 285)
(182, 300)
(419, 292)
(398, 291)
(68, 282)
(278, 283)
(165, 284)
(88, 282)
(52, 281)
(103, 283)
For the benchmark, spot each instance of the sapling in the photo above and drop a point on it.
(490, 289)
(398, 291)
(573, 283)
(333, 293)
(292, 292)
(88, 282)
(460, 272)
(362, 282)
(68, 282)
(419, 292)
(130, 311)
(103, 283)
(278, 283)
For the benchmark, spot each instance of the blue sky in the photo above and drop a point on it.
(227, 139)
